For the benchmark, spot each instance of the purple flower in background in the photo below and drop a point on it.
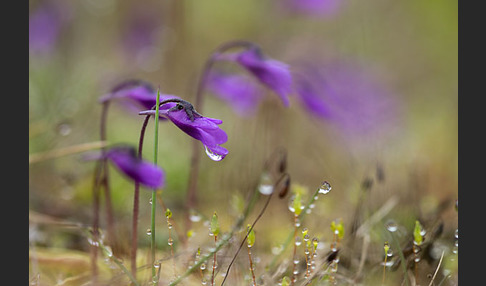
(314, 7)
(272, 73)
(204, 129)
(137, 169)
(347, 96)
(141, 28)
(136, 95)
(239, 91)
(44, 28)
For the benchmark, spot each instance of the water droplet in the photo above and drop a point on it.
(266, 186)
(298, 241)
(265, 189)
(64, 129)
(296, 261)
(170, 241)
(306, 237)
(213, 156)
(325, 188)
(150, 201)
(195, 217)
(391, 226)
(203, 266)
(389, 253)
(149, 231)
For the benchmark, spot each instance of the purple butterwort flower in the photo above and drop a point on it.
(272, 73)
(124, 157)
(347, 96)
(314, 7)
(239, 91)
(204, 129)
(44, 28)
(136, 95)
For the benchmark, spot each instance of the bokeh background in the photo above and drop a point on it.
(396, 129)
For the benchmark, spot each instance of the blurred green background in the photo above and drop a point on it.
(409, 46)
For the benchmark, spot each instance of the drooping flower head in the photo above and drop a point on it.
(136, 95)
(347, 96)
(239, 91)
(125, 159)
(204, 129)
(272, 73)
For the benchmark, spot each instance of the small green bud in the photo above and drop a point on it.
(168, 213)
(340, 229)
(417, 233)
(297, 203)
(285, 281)
(214, 224)
(386, 246)
(190, 233)
(251, 236)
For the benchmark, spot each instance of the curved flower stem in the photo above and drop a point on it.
(136, 203)
(104, 180)
(191, 193)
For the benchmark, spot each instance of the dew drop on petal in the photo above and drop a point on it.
(213, 156)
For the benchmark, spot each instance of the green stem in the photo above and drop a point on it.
(154, 193)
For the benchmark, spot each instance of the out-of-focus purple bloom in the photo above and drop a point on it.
(137, 169)
(140, 28)
(314, 7)
(204, 129)
(239, 91)
(272, 73)
(136, 95)
(44, 27)
(347, 96)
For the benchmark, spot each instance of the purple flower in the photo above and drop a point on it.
(126, 160)
(44, 27)
(239, 91)
(272, 73)
(346, 96)
(204, 129)
(136, 95)
(314, 7)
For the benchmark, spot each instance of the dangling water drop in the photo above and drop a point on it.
(266, 186)
(391, 226)
(149, 231)
(213, 156)
(325, 188)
